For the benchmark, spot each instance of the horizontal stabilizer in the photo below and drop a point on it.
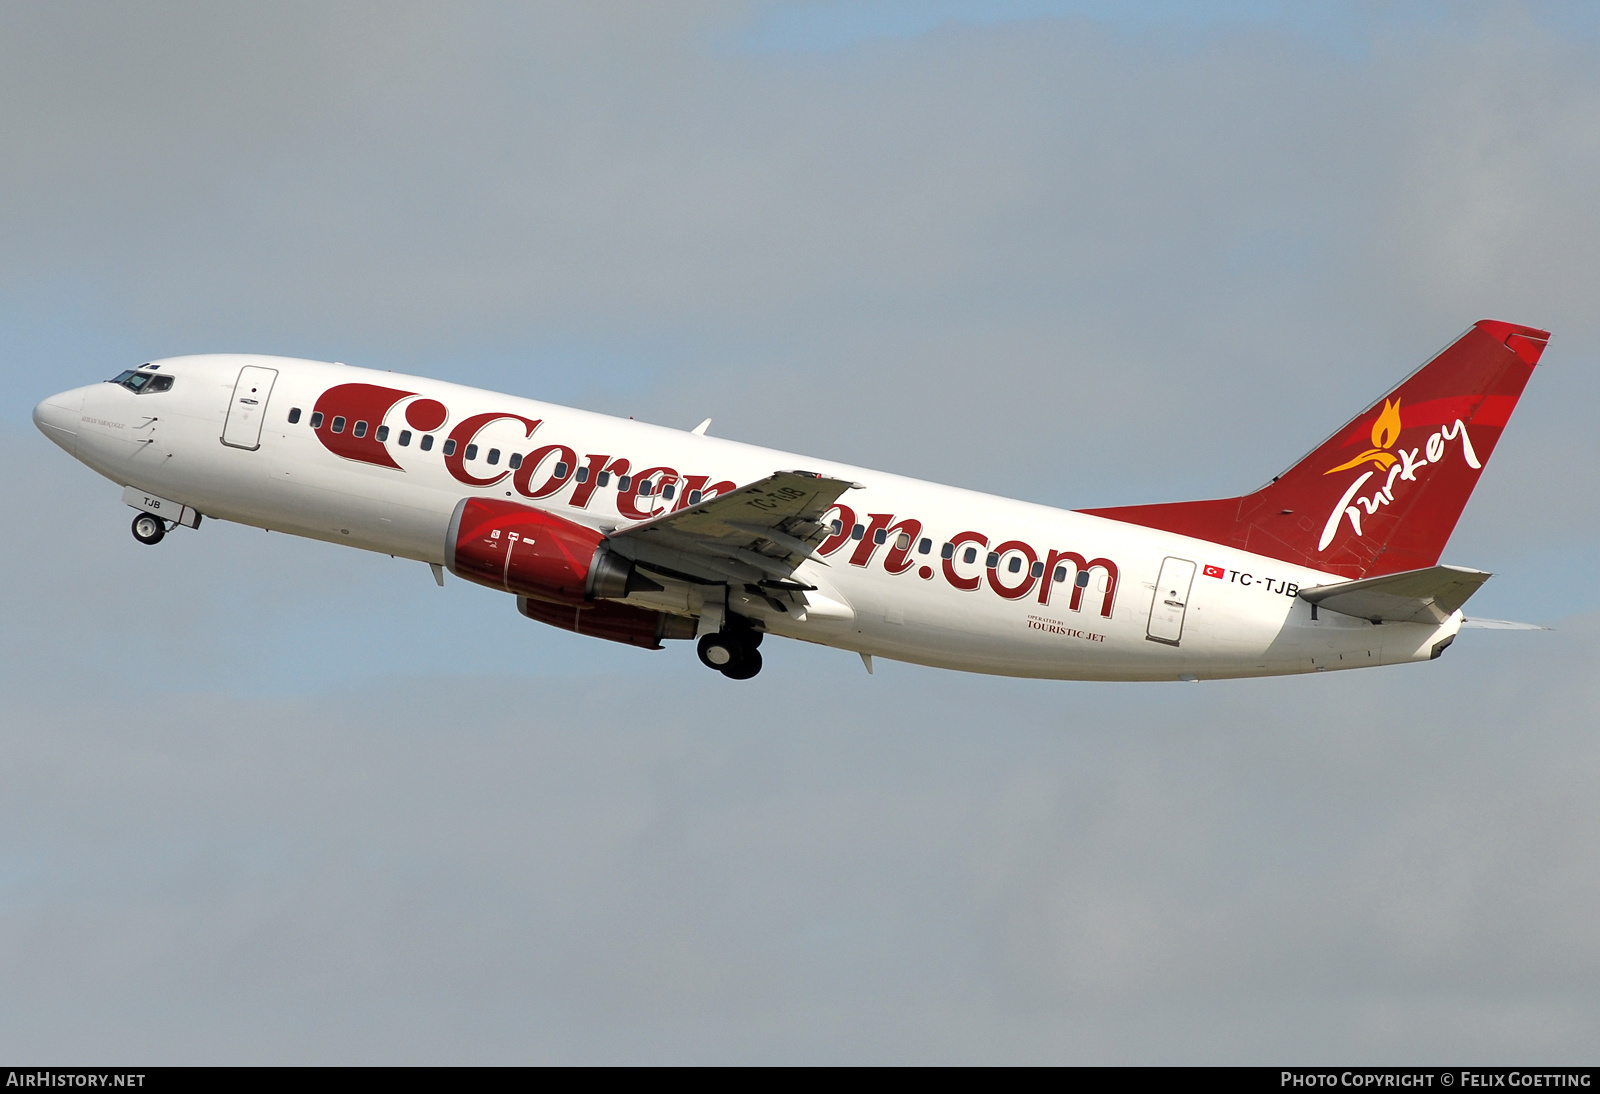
(1500, 625)
(1429, 595)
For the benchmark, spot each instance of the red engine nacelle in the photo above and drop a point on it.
(523, 550)
(557, 568)
(615, 622)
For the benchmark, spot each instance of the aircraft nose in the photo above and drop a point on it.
(57, 418)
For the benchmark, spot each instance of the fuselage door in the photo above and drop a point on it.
(243, 426)
(1171, 601)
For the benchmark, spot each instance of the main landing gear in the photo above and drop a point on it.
(732, 652)
(149, 528)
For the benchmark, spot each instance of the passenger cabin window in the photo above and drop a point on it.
(838, 526)
(405, 437)
(971, 555)
(1036, 570)
(644, 488)
(470, 454)
(316, 419)
(1061, 573)
(561, 469)
(1082, 580)
(623, 483)
(450, 447)
(695, 496)
(992, 561)
(382, 434)
(668, 490)
(426, 443)
(338, 424)
(858, 531)
(515, 461)
(494, 455)
(581, 476)
(360, 430)
(604, 477)
(880, 537)
(1015, 564)
(948, 551)
(925, 546)
(294, 416)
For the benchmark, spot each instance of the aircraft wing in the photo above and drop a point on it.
(758, 534)
(1415, 596)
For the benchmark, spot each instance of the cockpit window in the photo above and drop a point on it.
(141, 383)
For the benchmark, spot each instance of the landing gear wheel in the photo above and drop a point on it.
(718, 651)
(746, 667)
(732, 653)
(149, 529)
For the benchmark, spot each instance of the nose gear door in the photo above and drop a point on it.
(243, 426)
(1171, 601)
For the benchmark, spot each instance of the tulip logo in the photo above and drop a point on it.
(1385, 434)
(1401, 464)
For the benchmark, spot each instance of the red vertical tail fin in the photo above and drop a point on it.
(1383, 494)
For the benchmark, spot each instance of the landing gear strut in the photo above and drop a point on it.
(732, 652)
(148, 528)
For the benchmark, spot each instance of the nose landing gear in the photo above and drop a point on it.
(732, 653)
(149, 529)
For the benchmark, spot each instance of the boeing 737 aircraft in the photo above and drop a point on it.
(638, 533)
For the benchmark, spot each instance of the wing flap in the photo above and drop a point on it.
(1430, 595)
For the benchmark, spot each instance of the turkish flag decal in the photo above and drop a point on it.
(1214, 571)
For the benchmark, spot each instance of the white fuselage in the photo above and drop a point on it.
(899, 599)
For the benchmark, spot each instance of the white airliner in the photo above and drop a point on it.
(638, 533)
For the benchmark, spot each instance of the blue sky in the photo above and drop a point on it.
(1343, 28)
(830, 27)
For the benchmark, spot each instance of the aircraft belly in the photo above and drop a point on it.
(371, 523)
(946, 628)
(1224, 636)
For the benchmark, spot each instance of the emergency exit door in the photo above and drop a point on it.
(1171, 601)
(242, 429)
